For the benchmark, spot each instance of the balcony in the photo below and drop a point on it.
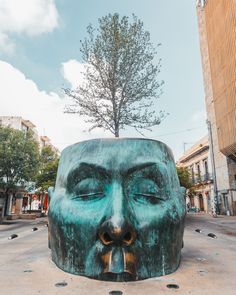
(202, 179)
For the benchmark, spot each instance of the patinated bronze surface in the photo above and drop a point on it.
(117, 210)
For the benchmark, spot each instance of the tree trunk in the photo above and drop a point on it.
(116, 132)
(6, 203)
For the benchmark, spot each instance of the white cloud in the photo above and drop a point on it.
(6, 45)
(21, 97)
(72, 71)
(30, 17)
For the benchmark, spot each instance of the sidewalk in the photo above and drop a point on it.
(17, 226)
(208, 265)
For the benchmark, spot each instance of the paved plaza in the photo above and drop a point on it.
(208, 264)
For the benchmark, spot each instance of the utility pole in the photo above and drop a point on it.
(215, 205)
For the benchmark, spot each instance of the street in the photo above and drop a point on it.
(208, 264)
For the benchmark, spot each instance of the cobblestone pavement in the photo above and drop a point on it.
(208, 264)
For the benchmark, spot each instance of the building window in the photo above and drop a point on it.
(198, 172)
(24, 128)
(192, 174)
(234, 183)
(206, 176)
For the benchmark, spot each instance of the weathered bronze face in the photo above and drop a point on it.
(117, 211)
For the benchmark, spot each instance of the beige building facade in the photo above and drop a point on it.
(20, 124)
(197, 160)
(217, 31)
(45, 141)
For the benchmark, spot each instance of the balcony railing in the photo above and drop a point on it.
(201, 179)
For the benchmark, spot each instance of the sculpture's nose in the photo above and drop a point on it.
(117, 228)
(121, 233)
(117, 233)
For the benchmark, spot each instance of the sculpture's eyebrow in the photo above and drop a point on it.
(154, 170)
(140, 167)
(86, 170)
(89, 168)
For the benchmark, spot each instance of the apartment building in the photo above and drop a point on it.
(217, 31)
(45, 141)
(197, 160)
(20, 124)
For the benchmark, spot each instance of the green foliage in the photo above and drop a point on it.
(48, 169)
(47, 155)
(120, 79)
(19, 157)
(184, 177)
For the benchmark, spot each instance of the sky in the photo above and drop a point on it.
(39, 56)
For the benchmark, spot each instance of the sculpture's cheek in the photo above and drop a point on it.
(159, 241)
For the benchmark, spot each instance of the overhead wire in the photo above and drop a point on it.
(181, 131)
(157, 135)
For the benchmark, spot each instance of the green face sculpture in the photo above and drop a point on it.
(117, 211)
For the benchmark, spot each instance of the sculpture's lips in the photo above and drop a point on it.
(119, 262)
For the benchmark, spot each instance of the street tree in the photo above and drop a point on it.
(46, 176)
(120, 83)
(184, 177)
(19, 159)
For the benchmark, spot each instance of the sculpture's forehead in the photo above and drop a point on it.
(114, 154)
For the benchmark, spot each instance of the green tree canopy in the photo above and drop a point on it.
(184, 177)
(19, 158)
(46, 177)
(120, 78)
